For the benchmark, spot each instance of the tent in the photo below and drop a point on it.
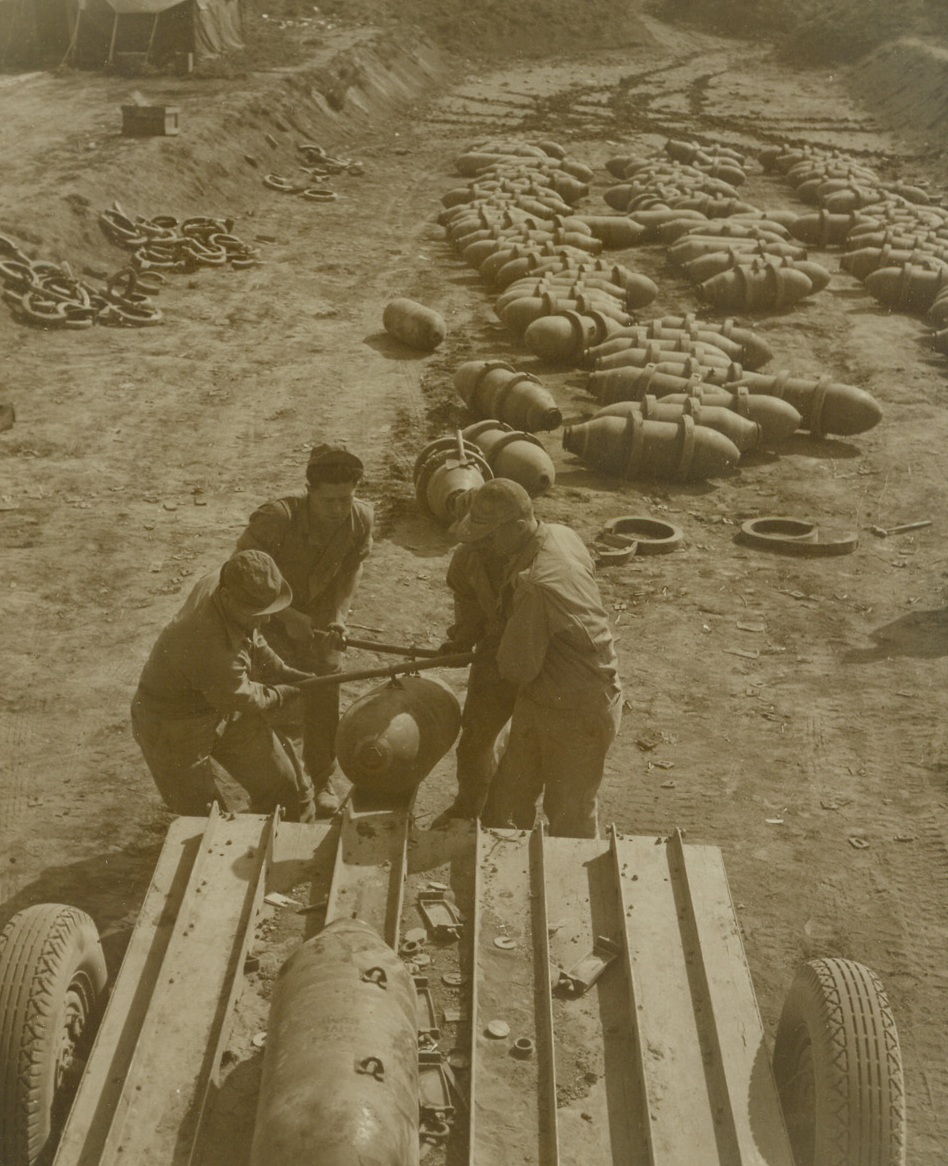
(93, 33)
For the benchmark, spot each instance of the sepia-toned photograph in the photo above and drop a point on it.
(473, 607)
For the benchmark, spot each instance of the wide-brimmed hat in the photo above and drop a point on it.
(496, 502)
(254, 583)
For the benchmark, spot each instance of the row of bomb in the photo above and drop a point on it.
(515, 224)
(739, 256)
(751, 243)
(896, 241)
(572, 306)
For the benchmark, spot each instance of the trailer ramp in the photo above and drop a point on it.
(621, 961)
(155, 1062)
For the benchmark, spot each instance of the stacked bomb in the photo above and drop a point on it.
(896, 241)
(746, 262)
(706, 183)
(447, 469)
(753, 264)
(822, 406)
(835, 181)
(514, 223)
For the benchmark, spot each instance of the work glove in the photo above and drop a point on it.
(307, 809)
(285, 693)
(452, 648)
(338, 633)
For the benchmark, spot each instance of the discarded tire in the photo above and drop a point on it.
(652, 535)
(838, 1068)
(52, 973)
(413, 324)
(796, 537)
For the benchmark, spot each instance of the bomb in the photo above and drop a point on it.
(413, 324)
(340, 1071)
(390, 739)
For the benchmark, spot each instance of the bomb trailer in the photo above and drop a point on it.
(599, 1011)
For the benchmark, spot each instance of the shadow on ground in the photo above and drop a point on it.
(922, 634)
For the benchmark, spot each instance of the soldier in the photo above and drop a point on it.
(475, 578)
(319, 538)
(555, 648)
(205, 692)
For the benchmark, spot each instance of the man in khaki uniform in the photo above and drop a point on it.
(476, 578)
(556, 648)
(207, 690)
(319, 538)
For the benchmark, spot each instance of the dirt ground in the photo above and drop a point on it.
(790, 711)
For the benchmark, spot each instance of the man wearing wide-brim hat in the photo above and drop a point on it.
(207, 690)
(319, 537)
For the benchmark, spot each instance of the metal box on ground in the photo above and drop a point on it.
(148, 121)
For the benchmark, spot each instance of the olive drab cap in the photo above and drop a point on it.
(254, 582)
(496, 502)
(334, 454)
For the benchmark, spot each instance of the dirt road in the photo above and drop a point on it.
(779, 708)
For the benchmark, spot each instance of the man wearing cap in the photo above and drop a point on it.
(207, 690)
(556, 650)
(319, 538)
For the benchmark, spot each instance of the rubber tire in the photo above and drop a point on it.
(653, 536)
(52, 974)
(838, 1068)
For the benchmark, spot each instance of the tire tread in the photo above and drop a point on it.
(35, 947)
(860, 1098)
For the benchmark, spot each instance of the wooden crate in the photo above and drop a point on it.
(146, 121)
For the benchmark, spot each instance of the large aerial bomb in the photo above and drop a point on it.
(390, 739)
(495, 389)
(632, 447)
(413, 324)
(339, 1085)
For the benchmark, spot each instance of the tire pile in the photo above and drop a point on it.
(165, 244)
(48, 295)
(319, 167)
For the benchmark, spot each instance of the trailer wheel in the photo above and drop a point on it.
(52, 972)
(838, 1068)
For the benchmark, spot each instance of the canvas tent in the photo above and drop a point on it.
(92, 33)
